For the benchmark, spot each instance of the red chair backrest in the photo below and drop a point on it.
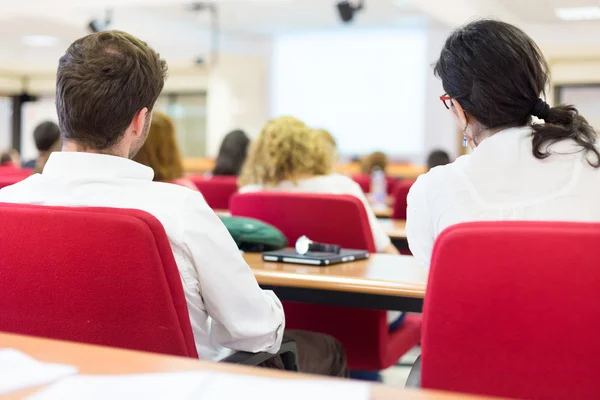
(95, 275)
(511, 310)
(400, 195)
(364, 181)
(217, 190)
(323, 218)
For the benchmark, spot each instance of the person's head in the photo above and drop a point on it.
(437, 158)
(374, 160)
(106, 87)
(46, 135)
(286, 149)
(161, 151)
(6, 159)
(494, 75)
(232, 154)
(41, 161)
(10, 157)
(330, 143)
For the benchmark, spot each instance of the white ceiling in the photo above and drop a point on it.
(181, 35)
(178, 33)
(542, 11)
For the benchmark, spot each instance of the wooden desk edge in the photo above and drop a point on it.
(93, 359)
(274, 278)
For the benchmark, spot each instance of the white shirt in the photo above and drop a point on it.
(502, 180)
(227, 308)
(330, 184)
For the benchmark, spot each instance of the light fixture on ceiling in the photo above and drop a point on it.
(578, 13)
(40, 40)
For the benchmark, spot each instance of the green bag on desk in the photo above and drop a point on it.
(252, 235)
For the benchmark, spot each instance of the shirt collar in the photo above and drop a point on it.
(79, 164)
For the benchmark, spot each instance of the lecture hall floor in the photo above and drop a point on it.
(397, 375)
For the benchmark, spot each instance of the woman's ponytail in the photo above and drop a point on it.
(563, 122)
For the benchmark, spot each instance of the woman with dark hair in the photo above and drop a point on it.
(494, 76)
(232, 154)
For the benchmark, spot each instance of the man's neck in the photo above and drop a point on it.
(72, 146)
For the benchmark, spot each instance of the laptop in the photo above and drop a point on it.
(290, 256)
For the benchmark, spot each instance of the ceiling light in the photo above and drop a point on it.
(578, 13)
(40, 40)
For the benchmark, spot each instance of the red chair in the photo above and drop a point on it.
(342, 220)
(104, 276)
(400, 195)
(364, 181)
(73, 274)
(216, 190)
(7, 180)
(511, 311)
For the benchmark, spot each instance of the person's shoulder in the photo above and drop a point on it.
(250, 188)
(20, 188)
(439, 176)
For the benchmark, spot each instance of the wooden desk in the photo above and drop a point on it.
(394, 228)
(383, 282)
(91, 359)
(383, 213)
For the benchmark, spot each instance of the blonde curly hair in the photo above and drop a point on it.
(285, 149)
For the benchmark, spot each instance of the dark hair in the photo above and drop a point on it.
(103, 80)
(437, 158)
(497, 74)
(5, 158)
(45, 135)
(232, 154)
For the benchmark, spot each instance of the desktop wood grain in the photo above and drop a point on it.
(90, 359)
(381, 274)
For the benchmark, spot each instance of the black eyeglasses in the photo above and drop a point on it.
(447, 100)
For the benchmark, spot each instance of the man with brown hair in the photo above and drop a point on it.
(106, 87)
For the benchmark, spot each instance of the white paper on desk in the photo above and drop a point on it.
(200, 385)
(20, 371)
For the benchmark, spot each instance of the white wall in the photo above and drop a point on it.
(238, 97)
(440, 128)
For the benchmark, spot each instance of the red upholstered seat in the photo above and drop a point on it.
(342, 220)
(364, 180)
(511, 310)
(217, 190)
(95, 275)
(400, 194)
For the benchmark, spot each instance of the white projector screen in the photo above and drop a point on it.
(366, 87)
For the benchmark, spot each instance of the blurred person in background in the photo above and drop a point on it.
(331, 145)
(437, 158)
(47, 139)
(232, 154)
(288, 156)
(161, 152)
(372, 161)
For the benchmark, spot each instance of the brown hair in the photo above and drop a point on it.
(377, 159)
(285, 149)
(161, 151)
(103, 80)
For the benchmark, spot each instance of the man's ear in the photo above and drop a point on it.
(139, 121)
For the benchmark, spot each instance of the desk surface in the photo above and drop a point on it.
(103, 360)
(394, 228)
(381, 274)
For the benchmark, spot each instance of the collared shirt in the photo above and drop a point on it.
(502, 180)
(227, 308)
(330, 184)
